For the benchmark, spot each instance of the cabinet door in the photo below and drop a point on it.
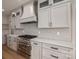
(48, 54)
(14, 45)
(43, 18)
(8, 41)
(36, 51)
(61, 15)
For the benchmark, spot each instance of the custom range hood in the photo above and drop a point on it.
(29, 13)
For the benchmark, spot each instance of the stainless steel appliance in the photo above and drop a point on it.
(24, 45)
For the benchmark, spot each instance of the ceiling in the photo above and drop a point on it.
(9, 5)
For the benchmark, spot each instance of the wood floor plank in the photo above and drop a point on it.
(9, 54)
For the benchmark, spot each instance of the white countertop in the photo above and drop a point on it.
(13, 35)
(55, 42)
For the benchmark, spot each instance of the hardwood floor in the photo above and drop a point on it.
(9, 54)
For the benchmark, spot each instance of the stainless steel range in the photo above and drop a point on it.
(24, 45)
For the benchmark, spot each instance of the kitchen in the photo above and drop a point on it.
(39, 29)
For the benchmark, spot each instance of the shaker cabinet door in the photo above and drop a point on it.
(48, 54)
(14, 44)
(61, 15)
(43, 18)
(36, 51)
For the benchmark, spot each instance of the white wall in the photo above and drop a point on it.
(5, 19)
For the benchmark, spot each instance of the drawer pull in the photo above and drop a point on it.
(54, 56)
(35, 43)
(54, 48)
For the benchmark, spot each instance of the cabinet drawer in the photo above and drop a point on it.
(57, 48)
(48, 54)
(35, 43)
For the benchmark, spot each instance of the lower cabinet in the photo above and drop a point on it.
(12, 43)
(9, 41)
(48, 54)
(40, 51)
(36, 50)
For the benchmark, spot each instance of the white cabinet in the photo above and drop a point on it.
(36, 50)
(48, 54)
(61, 15)
(54, 16)
(44, 50)
(44, 16)
(9, 42)
(57, 48)
(12, 43)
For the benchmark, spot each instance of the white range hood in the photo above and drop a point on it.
(28, 14)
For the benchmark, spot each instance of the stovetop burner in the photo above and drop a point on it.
(27, 36)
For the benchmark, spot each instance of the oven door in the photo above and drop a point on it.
(24, 48)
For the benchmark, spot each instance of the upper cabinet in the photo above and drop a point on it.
(54, 13)
(44, 16)
(61, 15)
